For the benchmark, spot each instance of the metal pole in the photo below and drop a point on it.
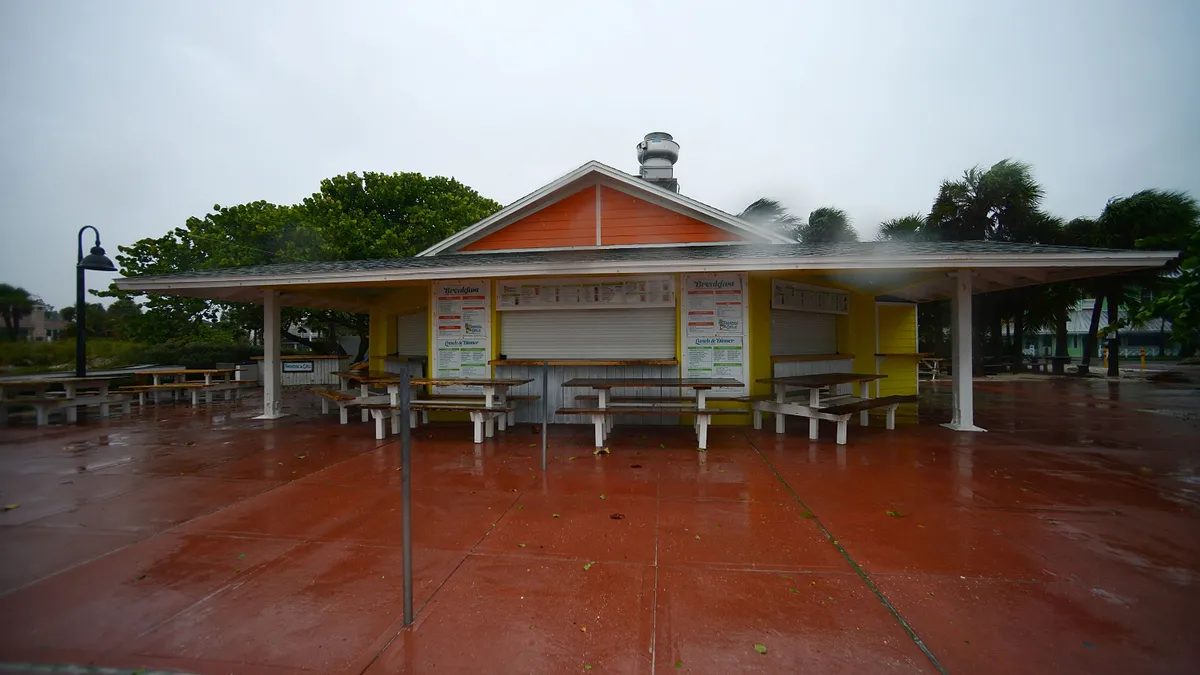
(545, 409)
(80, 324)
(406, 491)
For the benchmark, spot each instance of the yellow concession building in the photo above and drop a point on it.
(603, 273)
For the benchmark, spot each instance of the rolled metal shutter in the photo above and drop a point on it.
(412, 334)
(589, 334)
(802, 333)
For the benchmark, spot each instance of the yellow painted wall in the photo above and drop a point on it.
(384, 314)
(856, 333)
(897, 335)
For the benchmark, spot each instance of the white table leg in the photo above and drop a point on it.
(864, 417)
(394, 392)
(814, 402)
(364, 391)
(380, 426)
(602, 403)
(104, 399)
(598, 421)
(477, 423)
(395, 422)
(72, 412)
(343, 414)
(703, 431)
(489, 399)
(324, 406)
(780, 398)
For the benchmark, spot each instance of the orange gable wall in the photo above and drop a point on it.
(629, 220)
(624, 220)
(570, 222)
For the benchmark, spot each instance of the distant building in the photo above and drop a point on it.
(42, 324)
(1154, 337)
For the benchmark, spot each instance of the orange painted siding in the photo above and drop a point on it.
(570, 222)
(624, 220)
(629, 220)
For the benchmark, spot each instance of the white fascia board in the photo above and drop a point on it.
(1126, 260)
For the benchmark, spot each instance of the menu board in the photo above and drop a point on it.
(461, 309)
(713, 312)
(801, 298)
(715, 357)
(462, 357)
(714, 305)
(461, 330)
(586, 293)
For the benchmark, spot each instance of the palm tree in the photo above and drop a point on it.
(827, 225)
(15, 304)
(770, 212)
(1146, 219)
(904, 228)
(994, 204)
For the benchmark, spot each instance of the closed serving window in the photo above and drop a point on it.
(620, 333)
(794, 333)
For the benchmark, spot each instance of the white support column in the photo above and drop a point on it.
(272, 391)
(960, 336)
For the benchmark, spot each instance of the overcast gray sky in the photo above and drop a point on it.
(132, 116)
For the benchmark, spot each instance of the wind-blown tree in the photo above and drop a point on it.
(1150, 219)
(999, 203)
(1180, 301)
(904, 228)
(352, 217)
(16, 303)
(827, 225)
(769, 212)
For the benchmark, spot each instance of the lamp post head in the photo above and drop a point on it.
(97, 261)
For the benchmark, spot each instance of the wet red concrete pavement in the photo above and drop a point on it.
(1064, 540)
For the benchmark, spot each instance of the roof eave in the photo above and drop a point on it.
(1123, 261)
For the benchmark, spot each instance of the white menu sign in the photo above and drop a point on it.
(802, 298)
(714, 304)
(461, 329)
(586, 293)
(713, 340)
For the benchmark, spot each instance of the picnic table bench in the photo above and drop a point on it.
(608, 407)
(481, 415)
(492, 406)
(1040, 363)
(215, 380)
(33, 393)
(841, 410)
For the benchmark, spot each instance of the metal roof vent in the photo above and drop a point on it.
(657, 154)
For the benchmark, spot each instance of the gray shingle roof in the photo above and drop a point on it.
(749, 252)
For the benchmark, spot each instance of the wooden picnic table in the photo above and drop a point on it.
(208, 373)
(813, 383)
(934, 365)
(604, 385)
(494, 389)
(71, 386)
(701, 385)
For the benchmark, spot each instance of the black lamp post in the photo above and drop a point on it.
(96, 260)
